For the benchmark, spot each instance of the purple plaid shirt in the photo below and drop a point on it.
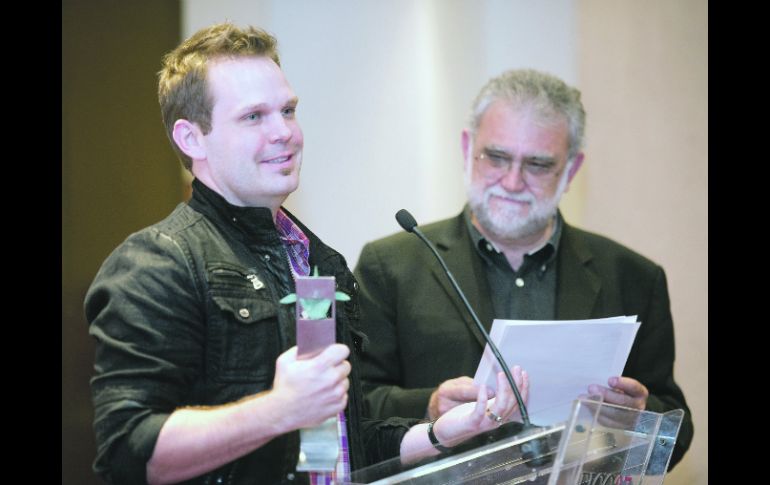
(296, 243)
(298, 251)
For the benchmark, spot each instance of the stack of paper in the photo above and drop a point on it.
(562, 358)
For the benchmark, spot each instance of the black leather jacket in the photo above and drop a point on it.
(180, 319)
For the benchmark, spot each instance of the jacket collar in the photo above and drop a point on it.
(577, 287)
(255, 225)
(252, 224)
(456, 247)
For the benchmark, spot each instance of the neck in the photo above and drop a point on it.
(515, 249)
(271, 202)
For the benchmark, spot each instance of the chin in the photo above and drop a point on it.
(509, 214)
(287, 187)
(505, 225)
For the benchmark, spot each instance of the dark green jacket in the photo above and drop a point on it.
(421, 335)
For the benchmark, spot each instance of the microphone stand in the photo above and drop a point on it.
(533, 450)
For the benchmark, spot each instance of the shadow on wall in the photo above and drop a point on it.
(118, 174)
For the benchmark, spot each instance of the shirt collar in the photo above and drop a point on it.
(295, 241)
(546, 253)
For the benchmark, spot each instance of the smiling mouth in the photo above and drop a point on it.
(511, 200)
(278, 160)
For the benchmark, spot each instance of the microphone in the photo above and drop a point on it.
(533, 450)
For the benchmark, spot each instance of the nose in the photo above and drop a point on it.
(513, 180)
(280, 131)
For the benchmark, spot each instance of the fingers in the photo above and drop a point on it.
(504, 400)
(322, 380)
(506, 404)
(501, 406)
(481, 402)
(629, 386)
(617, 395)
(341, 400)
(325, 373)
(625, 391)
(483, 413)
(452, 393)
(524, 387)
(518, 378)
(333, 355)
(287, 357)
(330, 356)
(331, 363)
(334, 371)
(460, 389)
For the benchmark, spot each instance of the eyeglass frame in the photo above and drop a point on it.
(532, 168)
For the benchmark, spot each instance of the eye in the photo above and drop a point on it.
(289, 111)
(497, 159)
(538, 166)
(256, 116)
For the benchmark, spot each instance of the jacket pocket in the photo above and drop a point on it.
(243, 326)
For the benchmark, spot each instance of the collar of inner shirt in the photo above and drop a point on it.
(543, 254)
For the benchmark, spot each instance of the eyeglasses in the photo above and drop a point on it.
(494, 164)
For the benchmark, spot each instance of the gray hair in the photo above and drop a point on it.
(547, 94)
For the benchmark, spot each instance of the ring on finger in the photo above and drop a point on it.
(494, 417)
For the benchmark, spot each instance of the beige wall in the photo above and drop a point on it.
(385, 89)
(643, 71)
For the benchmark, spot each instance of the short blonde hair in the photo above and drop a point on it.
(182, 86)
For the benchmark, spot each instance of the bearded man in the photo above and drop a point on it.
(516, 258)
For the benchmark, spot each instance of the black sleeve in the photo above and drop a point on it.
(382, 439)
(651, 362)
(381, 371)
(145, 315)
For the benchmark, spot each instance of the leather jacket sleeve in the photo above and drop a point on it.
(144, 312)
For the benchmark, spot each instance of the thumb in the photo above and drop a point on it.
(288, 356)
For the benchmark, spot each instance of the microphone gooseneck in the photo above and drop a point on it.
(409, 224)
(535, 449)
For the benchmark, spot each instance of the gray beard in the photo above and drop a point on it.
(506, 226)
(511, 228)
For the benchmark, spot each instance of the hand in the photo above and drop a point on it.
(521, 378)
(452, 393)
(312, 390)
(623, 391)
(470, 419)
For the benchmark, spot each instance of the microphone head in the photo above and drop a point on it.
(405, 220)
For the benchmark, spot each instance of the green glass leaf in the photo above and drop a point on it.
(315, 308)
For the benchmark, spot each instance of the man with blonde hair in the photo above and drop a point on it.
(196, 375)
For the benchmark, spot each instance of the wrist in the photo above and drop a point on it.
(282, 419)
(434, 440)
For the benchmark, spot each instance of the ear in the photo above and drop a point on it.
(189, 138)
(573, 169)
(466, 146)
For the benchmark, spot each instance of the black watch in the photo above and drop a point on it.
(434, 440)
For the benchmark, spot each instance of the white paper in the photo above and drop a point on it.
(562, 358)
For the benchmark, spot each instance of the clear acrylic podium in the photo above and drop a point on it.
(598, 444)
